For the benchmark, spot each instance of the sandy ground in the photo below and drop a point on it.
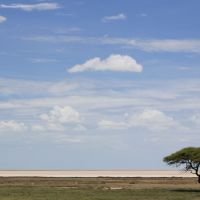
(94, 173)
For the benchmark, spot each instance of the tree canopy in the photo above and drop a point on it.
(189, 157)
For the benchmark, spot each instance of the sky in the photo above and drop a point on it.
(90, 84)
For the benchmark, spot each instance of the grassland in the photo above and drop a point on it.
(99, 189)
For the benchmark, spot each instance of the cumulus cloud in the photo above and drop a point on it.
(31, 7)
(2, 19)
(121, 63)
(12, 126)
(151, 119)
(62, 115)
(120, 16)
(59, 119)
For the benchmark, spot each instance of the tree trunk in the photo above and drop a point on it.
(199, 179)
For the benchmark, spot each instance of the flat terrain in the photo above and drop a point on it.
(94, 173)
(30, 188)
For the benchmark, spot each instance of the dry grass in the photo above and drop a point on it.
(99, 188)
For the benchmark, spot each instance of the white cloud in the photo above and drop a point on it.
(151, 119)
(87, 94)
(22, 87)
(120, 16)
(168, 45)
(59, 39)
(120, 63)
(24, 99)
(47, 127)
(64, 14)
(44, 60)
(196, 119)
(184, 68)
(2, 19)
(61, 88)
(31, 7)
(108, 124)
(38, 128)
(142, 15)
(69, 139)
(156, 45)
(68, 30)
(12, 126)
(59, 119)
(62, 115)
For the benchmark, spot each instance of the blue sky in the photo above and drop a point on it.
(88, 84)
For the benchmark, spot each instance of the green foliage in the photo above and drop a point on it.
(186, 155)
(190, 157)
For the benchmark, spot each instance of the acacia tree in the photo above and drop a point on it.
(189, 157)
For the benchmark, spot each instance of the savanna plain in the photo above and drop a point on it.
(101, 188)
